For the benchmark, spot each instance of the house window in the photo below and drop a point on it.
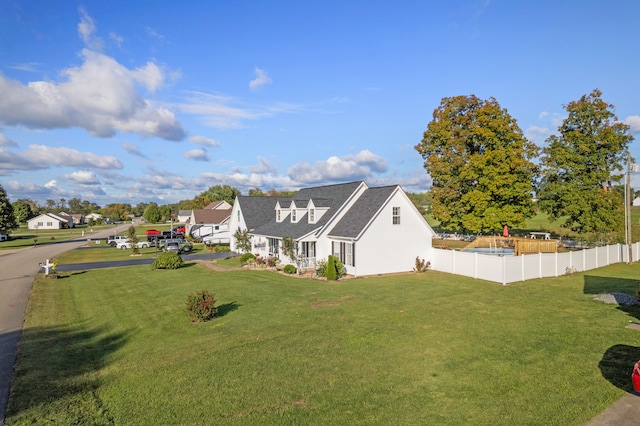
(238, 215)
(345, 252)
(308, 249)
(348, 254)
(293, 215)
(49, 224)
(39, 224)
(278, 217)
(273, 246)
(312, 215)
(396, 215)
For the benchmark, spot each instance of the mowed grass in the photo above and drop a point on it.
(114, 346)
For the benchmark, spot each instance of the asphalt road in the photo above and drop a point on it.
(17, 272)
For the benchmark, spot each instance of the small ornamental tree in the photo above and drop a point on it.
(243, 240)
(331, 273)
(133, 239)
(201, 306)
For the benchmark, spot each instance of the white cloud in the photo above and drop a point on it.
(117, 39)
(5, 141)
(154, 34)
(99, 96)
(83, 177)
(336, 169)
(27, 66)
(197, 155)
(634, 122)
(51, 184)
(201, 140)
(86, 29)
(261, 79)
(543, 115)
(67, 157)
(263, 167)
(133, 149)
(537, 134)
(217, 110)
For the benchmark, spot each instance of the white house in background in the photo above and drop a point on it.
(371, 230)
(50, 221)
(636, 202)
(94, 216)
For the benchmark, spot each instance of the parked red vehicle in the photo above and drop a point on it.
(179, 229)
(635, 377)
(152, 232)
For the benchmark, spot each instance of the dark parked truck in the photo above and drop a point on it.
(164, 235)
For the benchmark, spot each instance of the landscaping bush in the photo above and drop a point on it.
(321, 268)
(247, 257)
(289, 269)
(331, 273)
(167, 260)
(201, 306)
(422, 265)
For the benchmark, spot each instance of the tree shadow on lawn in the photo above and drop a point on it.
(58, 365)
(617, 362)
(600, 285)
(226, 308)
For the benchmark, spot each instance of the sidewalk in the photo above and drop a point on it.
(625, 411)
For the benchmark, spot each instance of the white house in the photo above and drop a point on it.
(50, 221)
(371, 230)
(94, 216)
(636, 202)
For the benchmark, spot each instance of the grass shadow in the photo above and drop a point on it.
(617, 364)
(57, 368)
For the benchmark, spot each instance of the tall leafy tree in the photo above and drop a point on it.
(22, 211)
(7, 216)
(152, 213)
(581, 166)
(216, 193)
(480, 164)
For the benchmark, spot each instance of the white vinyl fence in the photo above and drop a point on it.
(509, 269)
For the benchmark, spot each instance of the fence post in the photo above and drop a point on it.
(539, 265)
(504, 269)
(556, 268)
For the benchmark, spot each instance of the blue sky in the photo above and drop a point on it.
(137, 101)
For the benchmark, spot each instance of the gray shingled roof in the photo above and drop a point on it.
(361, 213)
(257, 211)
(334, 196)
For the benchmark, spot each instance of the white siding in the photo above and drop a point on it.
(387, 248)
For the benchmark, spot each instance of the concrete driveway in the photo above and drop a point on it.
(17, 272)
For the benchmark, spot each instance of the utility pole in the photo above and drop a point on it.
(627, 209)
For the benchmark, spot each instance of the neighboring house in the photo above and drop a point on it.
(183, 216)
(203, 222)
(218, 205)
(50, 221)
(78, 219)
(371, 230)
(94, 216)
(636, 202)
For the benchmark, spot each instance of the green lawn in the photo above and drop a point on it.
(114, 346)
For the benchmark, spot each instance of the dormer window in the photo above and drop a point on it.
(293, 215)
(278, 215)
(312, 215)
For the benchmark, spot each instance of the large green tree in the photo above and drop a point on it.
(480, 164)
(216, 193)
(581, 166)
(23, 211)
(152, 213)
(7, 217)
